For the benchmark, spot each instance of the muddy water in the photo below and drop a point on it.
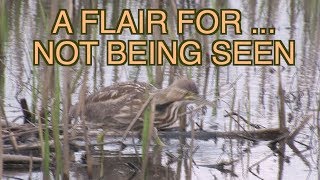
(252, 92)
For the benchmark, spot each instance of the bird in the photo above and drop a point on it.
(116, 106)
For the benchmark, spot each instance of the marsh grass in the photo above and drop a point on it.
(3, 30)
(55, 124)
(82, 96)
(65, 120)
(282, 112)
(34, 92)
(46, 148)
(44, 117)
(146, 136)
(145, 141)
(3, 37)
(318, 134)
(248, 99)
(233, 101)
(150, 75)
(1, 146)
(100, 139)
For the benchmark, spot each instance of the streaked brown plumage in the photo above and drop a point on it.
(117, 105)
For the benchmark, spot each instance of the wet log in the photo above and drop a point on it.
(256, 135)
(13, 158)
(261, 134)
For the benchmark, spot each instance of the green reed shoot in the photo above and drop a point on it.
(55, 123)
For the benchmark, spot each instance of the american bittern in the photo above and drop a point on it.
(117, 105)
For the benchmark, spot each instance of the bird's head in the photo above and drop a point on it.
(179, 90)
(184, 88)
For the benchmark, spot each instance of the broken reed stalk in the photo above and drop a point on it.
(13, 141)
(295, 132)
(124, 136)
(255, 126)
(35, 96)
(25, 110)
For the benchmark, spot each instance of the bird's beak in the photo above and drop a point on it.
(198, 100)
(191, 97)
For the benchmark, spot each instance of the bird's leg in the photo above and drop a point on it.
(156, 137)
(100, 139)
(137, 117)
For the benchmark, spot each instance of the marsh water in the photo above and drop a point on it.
(250, 91)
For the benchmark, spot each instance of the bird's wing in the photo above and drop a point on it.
(119, 90)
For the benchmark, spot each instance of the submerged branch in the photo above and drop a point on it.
(257, 126)
(265, 134)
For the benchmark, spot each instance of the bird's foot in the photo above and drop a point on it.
(157, 138)
(100, 137)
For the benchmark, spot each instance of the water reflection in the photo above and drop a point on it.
(125, 167)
